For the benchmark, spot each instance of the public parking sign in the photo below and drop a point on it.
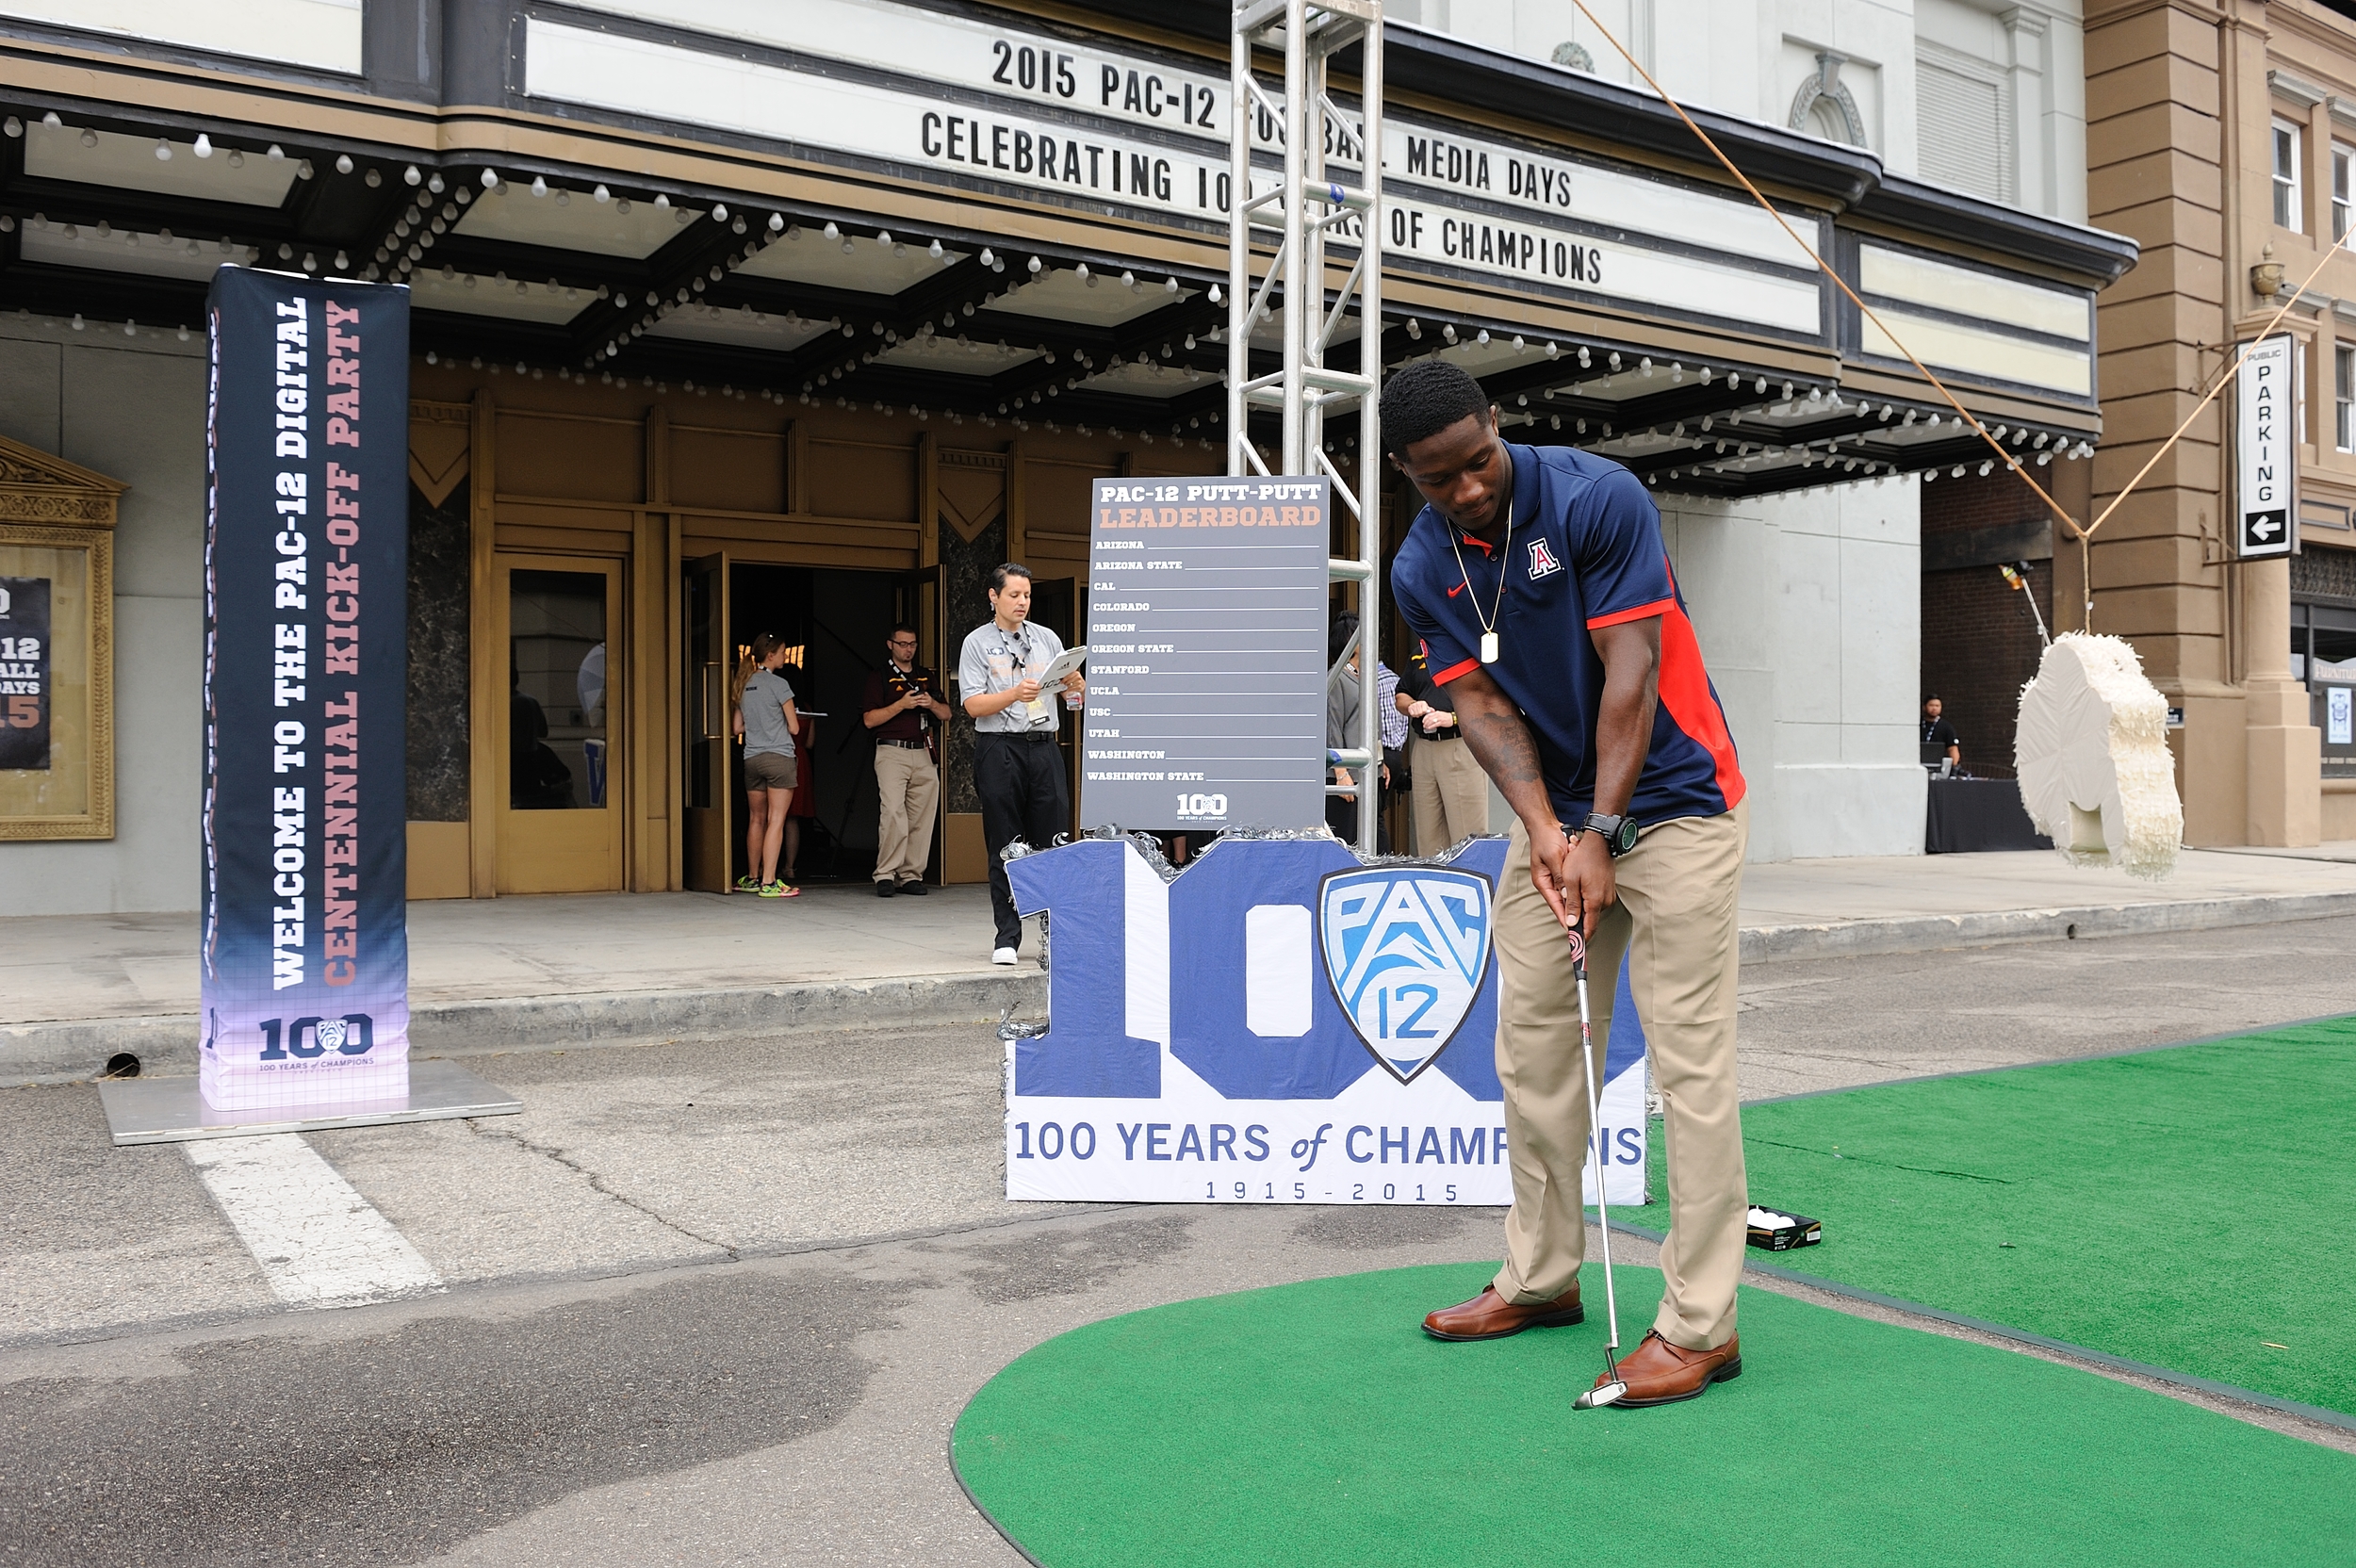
(2266, 464)
(1206, 653)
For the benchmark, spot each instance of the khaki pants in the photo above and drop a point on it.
(909, 786)
(1675, 920)
(1450, 793)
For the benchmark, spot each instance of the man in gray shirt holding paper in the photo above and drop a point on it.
(1018, 767)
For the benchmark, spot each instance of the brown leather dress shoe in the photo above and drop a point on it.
(1660, 1373)
(1489, 1315)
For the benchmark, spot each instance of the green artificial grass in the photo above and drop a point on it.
(2192, 1208)
(1313, 1424)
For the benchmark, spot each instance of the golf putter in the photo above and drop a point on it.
(1612, 1388)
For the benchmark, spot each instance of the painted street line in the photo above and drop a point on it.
(319, 1242)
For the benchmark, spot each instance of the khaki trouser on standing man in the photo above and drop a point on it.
(1681, 880)
(1450, 793)
(909, 787)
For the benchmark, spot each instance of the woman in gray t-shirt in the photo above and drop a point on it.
(765, 720)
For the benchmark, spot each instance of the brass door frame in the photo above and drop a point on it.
(524, 834)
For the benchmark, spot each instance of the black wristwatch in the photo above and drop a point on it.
(1619, 833)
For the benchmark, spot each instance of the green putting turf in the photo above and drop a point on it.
(2192, 1208)
(1313, 1424)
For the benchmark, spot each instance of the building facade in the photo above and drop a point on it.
(2220, 136)
(729, 319)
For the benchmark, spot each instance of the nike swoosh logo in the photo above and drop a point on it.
(1457, 589)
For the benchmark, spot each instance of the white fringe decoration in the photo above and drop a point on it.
(2092, 749)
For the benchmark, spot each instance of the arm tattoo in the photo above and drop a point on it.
(1501, 744)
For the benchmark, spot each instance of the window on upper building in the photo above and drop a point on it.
(1963, 122)
(2343, 397)
(2287, 205)
(2343, 197)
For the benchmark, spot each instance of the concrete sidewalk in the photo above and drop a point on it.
(494, 974)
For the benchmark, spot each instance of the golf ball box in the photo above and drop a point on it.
(1774, 1231)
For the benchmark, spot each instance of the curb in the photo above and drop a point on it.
(1930, 933)
(32, 1053)
(65, 1051)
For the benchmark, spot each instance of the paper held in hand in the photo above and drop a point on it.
(1053, 679)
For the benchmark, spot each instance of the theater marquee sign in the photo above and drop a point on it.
(896, 88)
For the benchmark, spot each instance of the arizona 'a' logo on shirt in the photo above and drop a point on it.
(1542, 561)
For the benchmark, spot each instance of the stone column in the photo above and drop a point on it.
(2285, 752)
(2032, 138)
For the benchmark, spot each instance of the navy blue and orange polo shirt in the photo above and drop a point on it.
(1585, 552)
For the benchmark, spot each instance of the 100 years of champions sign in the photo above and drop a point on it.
(1278, 1024)
(306, 953)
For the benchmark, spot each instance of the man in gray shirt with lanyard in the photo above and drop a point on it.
(1018, 767)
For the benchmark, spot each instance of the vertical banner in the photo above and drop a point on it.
(25, 673)
(1206, 613)
(305, 948)
(2266, 462)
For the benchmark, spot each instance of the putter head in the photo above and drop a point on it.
(1601, 1395)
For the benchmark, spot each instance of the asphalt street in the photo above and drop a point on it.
(722, 1302)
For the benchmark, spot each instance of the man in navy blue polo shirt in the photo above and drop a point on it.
(1539, 586)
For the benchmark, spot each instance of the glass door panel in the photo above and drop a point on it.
(561, 821)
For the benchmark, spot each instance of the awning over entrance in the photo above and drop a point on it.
(980, 217)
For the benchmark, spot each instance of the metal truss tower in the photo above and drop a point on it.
(1317, 201)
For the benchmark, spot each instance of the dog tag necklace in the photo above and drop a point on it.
(1497, 610)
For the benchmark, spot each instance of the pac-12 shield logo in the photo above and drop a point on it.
(1405, 948)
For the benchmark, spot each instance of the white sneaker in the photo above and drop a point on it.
(1003, 956)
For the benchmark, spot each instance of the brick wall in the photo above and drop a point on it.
(1979, 643)
(1977, 501)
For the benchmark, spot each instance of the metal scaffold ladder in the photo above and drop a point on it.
(1323, 152)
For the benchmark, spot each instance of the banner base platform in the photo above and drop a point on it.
(169, 1110)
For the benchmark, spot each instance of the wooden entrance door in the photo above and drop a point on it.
(560, 809)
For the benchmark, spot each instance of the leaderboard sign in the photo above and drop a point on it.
(305, 952)
(2266, 462)
(1206, 653)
